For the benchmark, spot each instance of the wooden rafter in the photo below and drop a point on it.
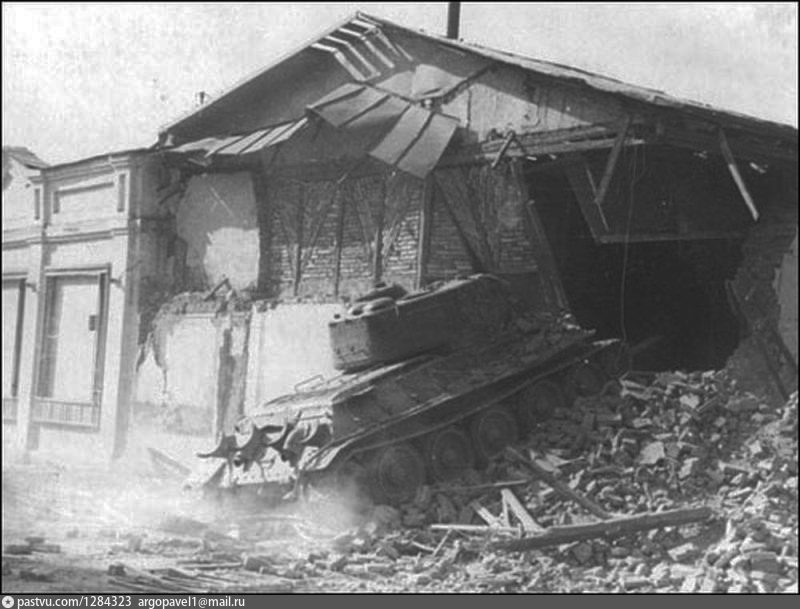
(736, 174)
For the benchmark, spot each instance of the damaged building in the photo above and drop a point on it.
(79, 241)
(376, 153)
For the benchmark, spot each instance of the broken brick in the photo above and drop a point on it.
(764, 561)
(582, 552)
(683, 552)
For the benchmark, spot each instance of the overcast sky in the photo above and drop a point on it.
(85, 79)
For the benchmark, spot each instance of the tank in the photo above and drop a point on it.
(432, 383)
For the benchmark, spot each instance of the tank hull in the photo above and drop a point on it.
(483, 382)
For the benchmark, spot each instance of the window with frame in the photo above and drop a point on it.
(70, 380)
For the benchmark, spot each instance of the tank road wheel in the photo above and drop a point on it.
(397, 472)
(585, 380)
(538, 403)
(492, 430)
(448, 453)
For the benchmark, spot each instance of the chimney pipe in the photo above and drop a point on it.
(453, 18)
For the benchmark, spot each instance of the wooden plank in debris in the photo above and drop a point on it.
(482, 487)
(209, 566)
(609, 528)
(140, 577)
(559, 486)
(473, 528)
(441, 544)
(488, 517)
(129, 585)
(737, 176)
(516, 507)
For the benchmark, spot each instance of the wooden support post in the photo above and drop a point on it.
(263, 215)
(298, 254)
(737, 176)
(425, 231)
(337, 269)
(377, 264)
(610, 528)
(611, 165)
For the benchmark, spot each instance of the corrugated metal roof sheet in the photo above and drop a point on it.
(204, 145)
(339, 111)
(410, 138)
(425, 152)
(415, 138)
(243, 144)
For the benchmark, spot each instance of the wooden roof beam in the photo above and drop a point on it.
(736, 174)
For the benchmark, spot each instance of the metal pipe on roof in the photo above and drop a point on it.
(453, 19)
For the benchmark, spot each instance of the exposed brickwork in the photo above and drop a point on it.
(362, 199)
(448, 255)
(489, 208)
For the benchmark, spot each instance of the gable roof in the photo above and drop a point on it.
(597, 82)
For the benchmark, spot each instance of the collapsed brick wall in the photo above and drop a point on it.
(764, 359)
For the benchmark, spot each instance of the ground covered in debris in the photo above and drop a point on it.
(666, 446)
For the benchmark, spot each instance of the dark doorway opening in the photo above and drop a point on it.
(666, 298)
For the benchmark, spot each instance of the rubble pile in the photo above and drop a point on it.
(675, 445)
(681, 440)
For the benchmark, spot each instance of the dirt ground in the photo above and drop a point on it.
(671, 442)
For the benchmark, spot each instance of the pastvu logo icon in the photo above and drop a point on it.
(8, 601)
